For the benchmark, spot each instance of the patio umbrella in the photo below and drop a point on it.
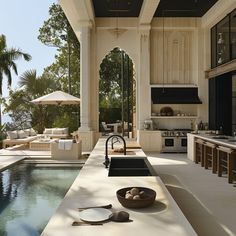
(57, 98)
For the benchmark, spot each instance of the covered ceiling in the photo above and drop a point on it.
(183, 8)
(166, 8)
(117, 8)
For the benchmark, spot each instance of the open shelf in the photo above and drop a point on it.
(175, 117)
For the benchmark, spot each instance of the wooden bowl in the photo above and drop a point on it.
(145, 200)
(167, 111)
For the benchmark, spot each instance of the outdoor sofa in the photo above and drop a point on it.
(18, 137)
(56, 132)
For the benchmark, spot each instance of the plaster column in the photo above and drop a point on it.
(85, 106)
(144, 92)
(85, 131)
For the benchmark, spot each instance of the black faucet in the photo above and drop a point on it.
(117, 136)
(114, 139)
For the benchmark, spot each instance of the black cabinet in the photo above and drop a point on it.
(220, 103)
(234, 104)
(223, 40)
(233, 34)
(213, 47)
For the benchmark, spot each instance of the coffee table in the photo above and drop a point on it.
(41, 144)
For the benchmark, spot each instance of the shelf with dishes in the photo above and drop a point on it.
(174, 117)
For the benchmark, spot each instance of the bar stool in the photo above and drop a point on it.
(225, 162)
(199, 151)
(210, 156)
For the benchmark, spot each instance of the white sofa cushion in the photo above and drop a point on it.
(57, 131)
(22, 134)
(12, 134)
(27, 131)
(47, 131)
(65, 130)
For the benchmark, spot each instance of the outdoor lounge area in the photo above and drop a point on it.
(54, 140)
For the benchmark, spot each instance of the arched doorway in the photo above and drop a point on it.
(117, 93)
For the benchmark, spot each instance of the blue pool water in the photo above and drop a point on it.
(30, 194)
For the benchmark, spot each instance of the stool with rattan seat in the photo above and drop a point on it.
(199, 151)
(210, 156)
(225, 162)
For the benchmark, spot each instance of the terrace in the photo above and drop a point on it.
(183, 79)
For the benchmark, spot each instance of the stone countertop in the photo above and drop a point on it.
(223, 142)
(93, 187)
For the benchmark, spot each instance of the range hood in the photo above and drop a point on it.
(175, 95)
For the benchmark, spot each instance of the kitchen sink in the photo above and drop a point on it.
(130, 166)
(220, 137)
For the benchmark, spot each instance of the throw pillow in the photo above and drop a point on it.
(27, 131)
(33, 132)
(65, 130)
(22, 134)
(12, 134)
(47, 131)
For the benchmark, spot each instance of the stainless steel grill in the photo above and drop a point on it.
(174, 140)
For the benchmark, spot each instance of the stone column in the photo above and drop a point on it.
(85, 131)
(85, 91)
(144, 92)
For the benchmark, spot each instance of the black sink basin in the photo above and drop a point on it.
(130, 166)
(220, 137)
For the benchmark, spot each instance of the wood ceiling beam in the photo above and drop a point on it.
(147, 11)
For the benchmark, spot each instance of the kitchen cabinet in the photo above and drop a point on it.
(233, 34)
(150, 140)
(223, 40)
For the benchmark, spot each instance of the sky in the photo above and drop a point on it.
(20, 21)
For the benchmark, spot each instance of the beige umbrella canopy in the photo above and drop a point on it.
(57, 98)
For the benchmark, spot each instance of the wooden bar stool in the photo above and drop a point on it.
(210, 156)
(199, 151)
(225, 162)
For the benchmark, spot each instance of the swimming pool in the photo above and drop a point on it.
(30, 194)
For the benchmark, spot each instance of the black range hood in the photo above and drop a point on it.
(175, 95)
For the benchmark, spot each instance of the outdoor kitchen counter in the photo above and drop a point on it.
(93, 187)
(208, 137)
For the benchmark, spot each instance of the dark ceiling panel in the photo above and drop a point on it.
(183, 8)
(117, 8)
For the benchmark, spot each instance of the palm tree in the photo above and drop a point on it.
(8, 56)
(34, 87)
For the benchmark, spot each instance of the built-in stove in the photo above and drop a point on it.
(175, 133)
(174, 140)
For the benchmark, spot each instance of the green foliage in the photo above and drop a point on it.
(67, 120)
(8, 56)
(57, 32)
(24, 113)
(115, 67)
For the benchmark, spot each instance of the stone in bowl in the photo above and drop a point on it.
(147, 198)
